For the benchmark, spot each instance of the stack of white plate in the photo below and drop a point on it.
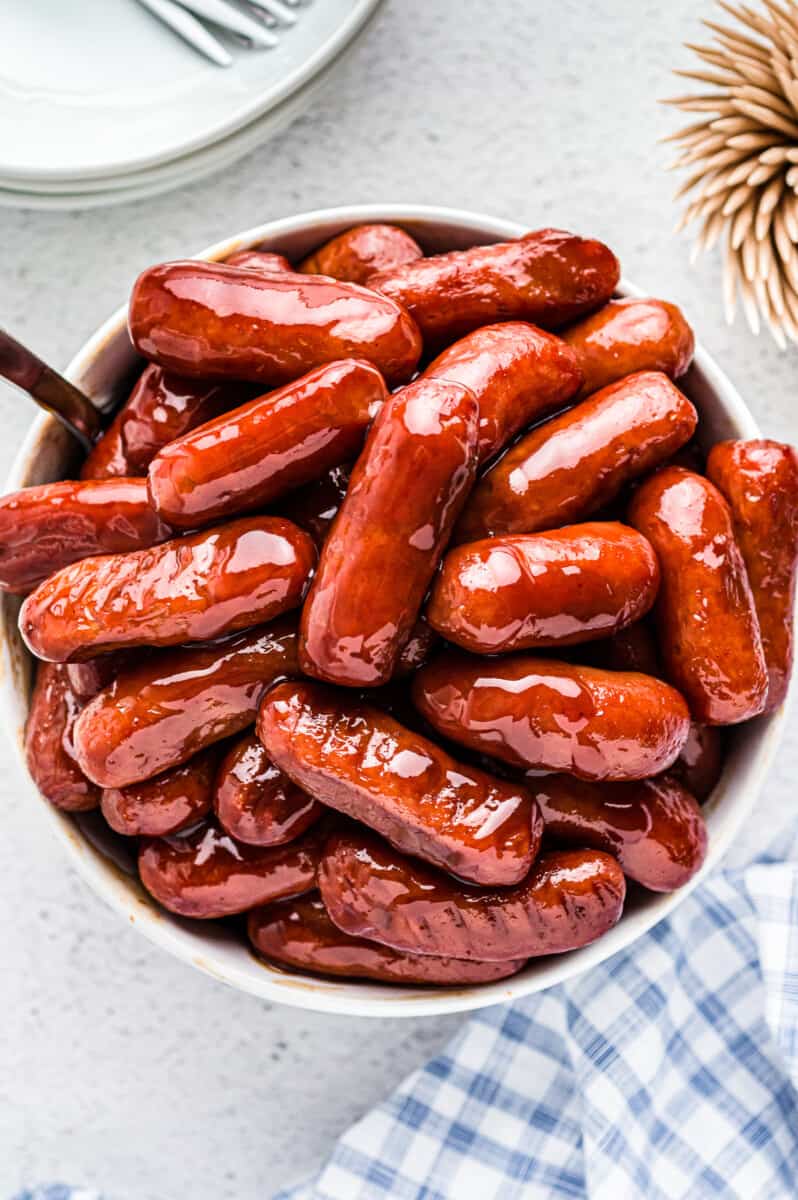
(100, 103)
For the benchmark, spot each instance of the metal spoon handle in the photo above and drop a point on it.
(50, 390)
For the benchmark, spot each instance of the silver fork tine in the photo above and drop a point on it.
(277, 9)
(188, 28)
(223, 14)
(259, 14)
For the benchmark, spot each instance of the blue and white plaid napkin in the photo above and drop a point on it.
(669, 1073)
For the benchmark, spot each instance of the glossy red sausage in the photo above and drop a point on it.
(359, 252)
(404, 496)
(166, 804)
(300, 935)
(191, 589)
(539, 712)
(255, 453)
(256, 802)
(206, 874)
(260, 260)
(549, 277)
(46, 527)
(654, 828)
(569, 898)
(517, 372)
(211, 321)
(314, 507)
(631, 335)
(362, 762)
(575, 464)
(760, 482)
(543, 589)
(49, 749)
(180, 701)
(708, 630)
(161, 407)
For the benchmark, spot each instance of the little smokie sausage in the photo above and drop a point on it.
(212, 321)
(760, 482)
(404, 496)
(555, 716)
(518, 373)
(654, 828)
(166, 804)
(300, 935)
(205, 873)
(708, 629)
(256, 802)
(363, 763)
(246, 458)
(356, 254)
(573, 465)
(569, 898)
(161, 407)
(549, 277)
(191, 589)
(46, 527)
(260, 260)
(180, 701)
(543, 589)
(49, 749)
(627, 336)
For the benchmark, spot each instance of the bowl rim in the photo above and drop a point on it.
(352, 997)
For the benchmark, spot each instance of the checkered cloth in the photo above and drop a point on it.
(667, 1073)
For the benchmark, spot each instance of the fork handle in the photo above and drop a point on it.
(51, 391)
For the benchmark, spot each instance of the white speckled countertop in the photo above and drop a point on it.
(118, 1066)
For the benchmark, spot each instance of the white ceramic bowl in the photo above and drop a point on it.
(103, 369)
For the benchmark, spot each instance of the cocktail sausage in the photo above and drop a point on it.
(360, 761)
(212, 321)
(577, 463)
(299, 934)
(404, 496)
(160, 714)
(570, 585)
(46, 527)
(555, 716)
(191, 589)
(569, 898)
(759, 479)
(250, 456)
(709, 635)
(549, 277)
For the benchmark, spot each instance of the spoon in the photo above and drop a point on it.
(50, 390)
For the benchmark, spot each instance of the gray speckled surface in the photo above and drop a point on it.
(118, 1066)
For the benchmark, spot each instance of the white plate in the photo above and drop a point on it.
(56, 197)
(103, 88)
(103, 362)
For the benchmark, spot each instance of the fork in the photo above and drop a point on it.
(256, 29)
